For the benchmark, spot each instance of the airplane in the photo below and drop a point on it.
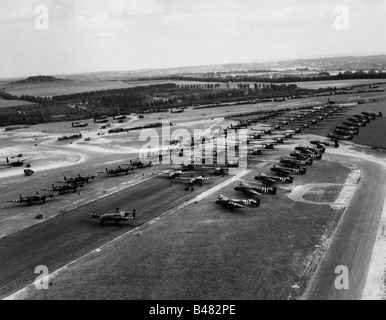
(236, 203)
(77, 180)
(290, 161)
(327, 144)
(316, 150)
(64, 189)
(262, 131)
(346, 132)
(288, 171)
(177, 110)
(33, 199)
(101, 120)
(352, 128)
(194, 180)
(117, 216)
(139, 164)
(370, 114)
(254, 136)
(271, 180)
(118, 171)
(18, 163)
(352, 124)
(79, 124)
(358, 121)
(256, 191)
(120, 118)
(339, 137)
(362, 117)
(173, 174)
(263, 146)
(218, 170)
(252, 152)
(305, 154)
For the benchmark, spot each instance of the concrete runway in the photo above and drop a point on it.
(353, 241)
(63, 239)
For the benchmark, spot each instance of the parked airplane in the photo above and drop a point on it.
(316, 150)
(18, 163)
(236, 203)
(79, 124)
(339, 137)
(115, 172)
(64, 189)
(173, 174)
(33, 199)
(256, 191)
(78, 180)
(346, 132)
(288, 171)
(296, 163)
(194, 180)
(117, 216)
(327, 144)
(271, 180)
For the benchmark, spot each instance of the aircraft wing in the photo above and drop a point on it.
(235, 204)
(253, 192)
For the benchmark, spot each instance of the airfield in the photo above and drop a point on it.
(184, 246)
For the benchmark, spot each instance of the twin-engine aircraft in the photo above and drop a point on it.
(288, 171)
(236, 203)
(117, 216)
(18, 163)
(268, 180)
(33, 199)
(115, 172)
(64, 188)
(255, 191)
(79, 180)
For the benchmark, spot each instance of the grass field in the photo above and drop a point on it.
(13, 103)
(336, 83)
(62, 88)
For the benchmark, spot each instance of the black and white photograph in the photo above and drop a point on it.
(192, 154)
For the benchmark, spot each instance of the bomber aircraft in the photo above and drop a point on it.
(268, 180)
(117, 216)
(288, 171)
(236, 203)
(252, 190)
(33, 199)
(119, 170)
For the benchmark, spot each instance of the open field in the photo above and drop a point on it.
(337, 83)
(63, 88)
(13, 103)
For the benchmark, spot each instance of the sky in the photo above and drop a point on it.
(109, 35)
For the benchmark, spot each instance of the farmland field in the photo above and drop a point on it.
(336, 83)
(63, 88)
(13, 103)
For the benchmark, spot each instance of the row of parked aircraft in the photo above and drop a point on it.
(350, 128)
(68, 185)
(262, 140)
